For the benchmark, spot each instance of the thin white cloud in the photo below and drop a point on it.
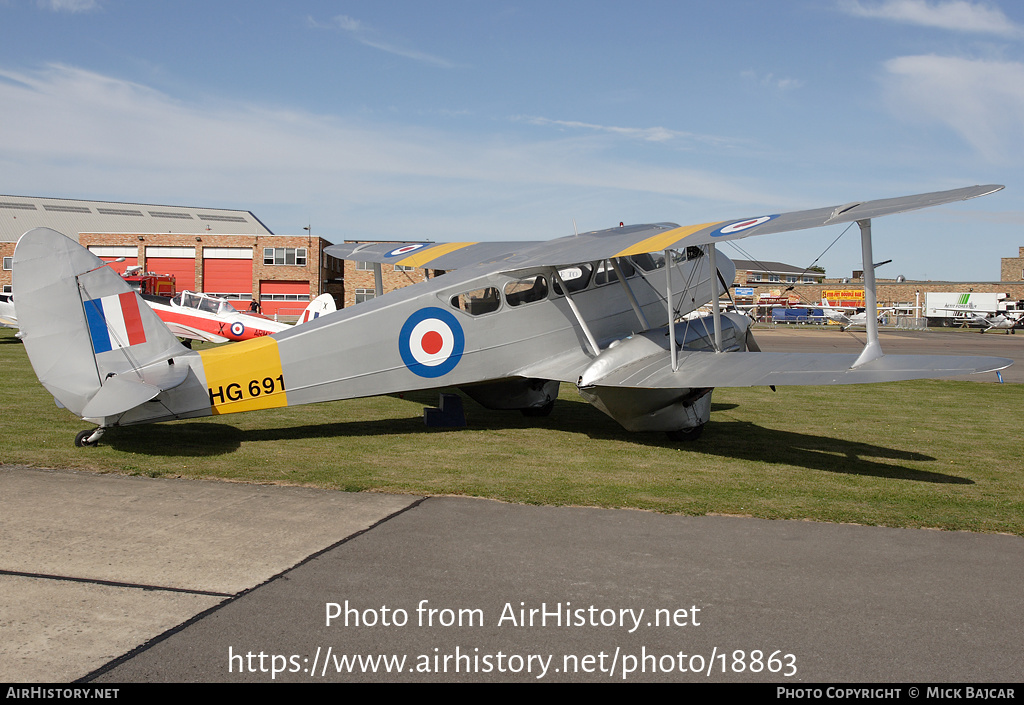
(368, 36)
(71, 131)
(770, 80)
(69, 5)
(983, 101)
(647, 134)
(953, 15)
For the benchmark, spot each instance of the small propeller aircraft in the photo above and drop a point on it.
(508, 323)
(999, 321)
(198, 316)
(8, 316)
(846, 320)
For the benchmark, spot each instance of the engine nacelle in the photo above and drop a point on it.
(515, 393)
(615, 381)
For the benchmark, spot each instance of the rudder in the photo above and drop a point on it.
(82, 325)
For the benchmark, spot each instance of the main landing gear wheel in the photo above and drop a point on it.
(685, 434)
(82, 439)
(538, 411)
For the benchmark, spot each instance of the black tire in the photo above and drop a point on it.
(537, 412)
(80, 439)
(685, 434)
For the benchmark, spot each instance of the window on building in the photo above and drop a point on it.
(8, 289)
(285, 255)
(790, 279)
(773, 277)
(273, 297)
(8, 263)
(403, 268)
(755, 277)
(364, 294)
(364, 266)
(809, 280)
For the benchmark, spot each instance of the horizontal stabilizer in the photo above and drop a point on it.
(751, 369)
(117, 395)
(120, 393)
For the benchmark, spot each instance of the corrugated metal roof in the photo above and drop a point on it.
(772, 267)
(19, 214)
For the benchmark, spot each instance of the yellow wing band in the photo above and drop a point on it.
(422, 259)
(657, 243)
(244, 376)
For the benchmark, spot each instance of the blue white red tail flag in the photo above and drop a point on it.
(114, 322)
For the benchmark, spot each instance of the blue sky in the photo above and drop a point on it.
(509, 120)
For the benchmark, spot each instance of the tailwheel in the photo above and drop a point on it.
(88, 438)
(685, 434)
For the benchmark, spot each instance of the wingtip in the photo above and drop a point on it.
(990, 189)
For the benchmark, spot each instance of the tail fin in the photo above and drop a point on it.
(83, 328)
(319, 306)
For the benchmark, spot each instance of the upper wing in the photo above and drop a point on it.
(635, 239)
(433, 255)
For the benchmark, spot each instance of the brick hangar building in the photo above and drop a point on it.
(229, 253)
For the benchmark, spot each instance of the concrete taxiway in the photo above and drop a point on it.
(124, 579)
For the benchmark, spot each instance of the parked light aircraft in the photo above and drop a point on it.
(8, 317)
(508, 323)
(198, 316)
(998, 322)
(845, 320)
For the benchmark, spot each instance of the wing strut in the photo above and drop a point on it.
(629, 293)
(378, 280)
(716, 309)
(576, 312)
(872, 348)
(671, 311)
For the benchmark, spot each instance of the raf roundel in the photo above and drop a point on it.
(398, 252)
(237, 328)
(742, 225)
(431, 342)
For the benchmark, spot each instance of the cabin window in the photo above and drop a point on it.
(605, 273)
(649, 262)
(478, 301)
(526, 291)
(576, 278)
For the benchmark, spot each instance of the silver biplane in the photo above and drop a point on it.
(508, 323)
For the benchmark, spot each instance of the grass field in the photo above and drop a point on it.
(914, 454)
